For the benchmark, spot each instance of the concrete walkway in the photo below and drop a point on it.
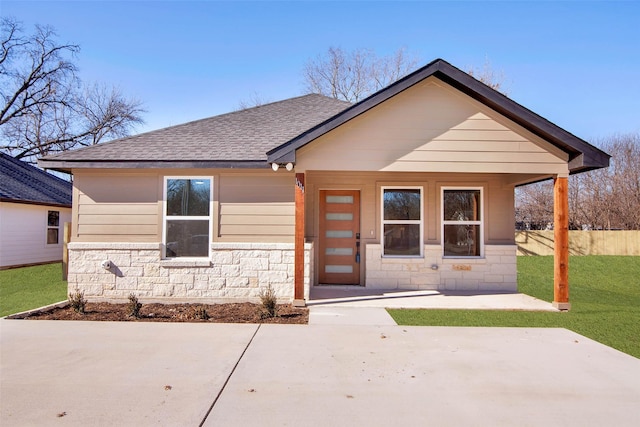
(185, 374)
(350, 305)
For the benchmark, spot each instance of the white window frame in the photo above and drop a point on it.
(480, 222)
(384, 222)
(52, 227)
(165, 217)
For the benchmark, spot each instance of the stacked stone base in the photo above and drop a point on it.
(496, 271)
(241, 271)
(235, 272)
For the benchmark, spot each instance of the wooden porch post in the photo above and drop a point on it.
(561, 243)
(298, 293)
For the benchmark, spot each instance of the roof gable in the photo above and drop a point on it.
(24, 183)
(432, 127)
(582, 156)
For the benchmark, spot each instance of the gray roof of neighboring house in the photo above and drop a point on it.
(238, 139)
(582, 155)
(23, 183)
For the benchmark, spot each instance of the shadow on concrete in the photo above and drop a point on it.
(332, 295)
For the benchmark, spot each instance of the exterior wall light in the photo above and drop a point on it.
(276, 166)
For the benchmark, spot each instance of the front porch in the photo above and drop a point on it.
(357, 296)
(355, 305)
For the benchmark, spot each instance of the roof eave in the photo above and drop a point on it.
(68, 165)
(34, 202)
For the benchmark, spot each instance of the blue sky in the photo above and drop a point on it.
(576, 63)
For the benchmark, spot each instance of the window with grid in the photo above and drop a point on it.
(462, 222)
(187, 217)
(402, 221)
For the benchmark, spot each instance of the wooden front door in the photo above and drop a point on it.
(339, 238)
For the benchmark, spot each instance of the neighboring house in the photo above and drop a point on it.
(34, 205)
(411, 188)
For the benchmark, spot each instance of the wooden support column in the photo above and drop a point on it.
(561, 243)
(65, 250)
(298, 293)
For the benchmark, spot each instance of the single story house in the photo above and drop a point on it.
(411, 188)
(34, 205)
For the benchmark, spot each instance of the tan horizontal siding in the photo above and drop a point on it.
(473, 156)
(117, 229)
(528, 168)
(257, 209)
(461, 145)
(116, 206)
(432, 128)
(257, 230)
(260, 220)
(268, 187)
(268, 238)
(132, 209)
(251, 220)
(120, 219)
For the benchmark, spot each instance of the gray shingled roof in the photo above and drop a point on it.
(21, 182)
(240, 136)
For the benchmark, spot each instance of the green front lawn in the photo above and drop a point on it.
(604, 292)
(26, 288)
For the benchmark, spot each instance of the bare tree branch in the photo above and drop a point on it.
(255, 100)
(489, 76)
(44, 108)
(352, 76)
(602, 199)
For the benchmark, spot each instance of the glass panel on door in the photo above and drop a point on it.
(339, 237)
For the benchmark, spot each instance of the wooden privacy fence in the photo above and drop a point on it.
(618, 242)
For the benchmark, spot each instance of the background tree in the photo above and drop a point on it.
(44, 107)
(254, 100)
(602, 199)
(353, 75)
(489, 76)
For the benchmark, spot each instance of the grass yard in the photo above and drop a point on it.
(604, 292)
(26, 288)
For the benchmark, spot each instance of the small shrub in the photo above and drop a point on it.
(134, 306)
(201, 313)
(78, 301)
(269, 302)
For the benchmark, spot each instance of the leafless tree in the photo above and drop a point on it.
(602, 199)
(534, 206)
(44, 107)
(352, 76)
(489, 76)
(255, 100)
(610, 198)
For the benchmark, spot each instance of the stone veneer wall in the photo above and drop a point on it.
(235, 272)
(496, 271)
